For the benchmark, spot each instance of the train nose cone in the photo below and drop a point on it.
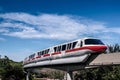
(100, 49)
(104, 48)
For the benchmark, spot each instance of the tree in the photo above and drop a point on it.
(114, 48)
(11, 70)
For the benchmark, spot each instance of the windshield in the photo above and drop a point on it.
(93, 41)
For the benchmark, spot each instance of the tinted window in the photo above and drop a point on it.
(39, 53)
(55, 49)
(69, 46)
(42, 52)
(93, 41)
(63, 47)
(59, 48)
(32, 56)
(81, 43)
(74, 43)
(47, 50)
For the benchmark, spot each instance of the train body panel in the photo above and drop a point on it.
(77, 59)
(43, 58)
(71, 52)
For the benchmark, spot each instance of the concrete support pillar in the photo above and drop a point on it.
(27, 76)
(69, 75)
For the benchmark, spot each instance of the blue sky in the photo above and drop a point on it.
(27, 26)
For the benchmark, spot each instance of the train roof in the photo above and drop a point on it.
(67, 43)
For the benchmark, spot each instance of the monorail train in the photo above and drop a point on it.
(70, 52)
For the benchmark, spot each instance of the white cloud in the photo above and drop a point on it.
(51, 26)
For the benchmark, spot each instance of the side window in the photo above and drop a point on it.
(30, 56)
(69, 46)
(63, 47)
(59, 48)
(74, 43)
(38, 53)
(55, 49)
(42, 52)
(81, 44)
(47, 51)
(33, 56)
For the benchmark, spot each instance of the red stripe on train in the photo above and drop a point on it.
(56, 53)
(93, 48)
(71, 50)
(38, 57)
(33, 58)
(46, 55)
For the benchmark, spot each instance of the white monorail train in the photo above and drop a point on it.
(76, 51)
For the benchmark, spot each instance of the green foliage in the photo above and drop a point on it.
(114, 48)
(100, 73)
(13, 70)
(50, 73)
(103, 72)
(10, 69)
(56, 75)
